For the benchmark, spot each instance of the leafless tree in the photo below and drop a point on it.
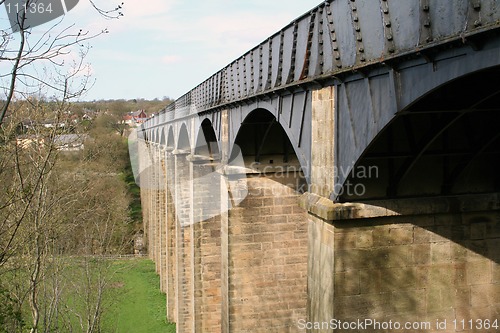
(19, 49)
(37, 198)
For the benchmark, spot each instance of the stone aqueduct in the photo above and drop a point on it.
(346, 168)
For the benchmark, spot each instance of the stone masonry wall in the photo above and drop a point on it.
(155, 225)
(171, 257)
(267, 249)
(162, 251)
(239, 271)
(184, 245)
(207, 248)
(424, 268)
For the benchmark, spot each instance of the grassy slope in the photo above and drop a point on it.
(139, 306)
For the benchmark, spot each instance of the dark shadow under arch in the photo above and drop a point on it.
(446, 143)
(142, 134)
(162, 137)
(183, 142)
(206, 143)
(266, 148)
(170, 139)
(261, 138)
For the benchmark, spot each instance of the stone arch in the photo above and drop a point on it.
(444, 143)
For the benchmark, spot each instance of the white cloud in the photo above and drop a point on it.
(178, 43)
(171, 59)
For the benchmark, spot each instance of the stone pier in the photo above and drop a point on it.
(249, 248)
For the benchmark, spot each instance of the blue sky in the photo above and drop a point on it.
(166, 47)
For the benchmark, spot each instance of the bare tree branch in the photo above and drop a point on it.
(14, 72)
(110, 14)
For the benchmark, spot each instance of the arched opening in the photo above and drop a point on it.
(446, 143)
(156, 136)
(171, 237)
(207, 210)
(141, 134)
(266, 148)
(206, 143)
(266, 230)
(170, 139)
(162, 137)
(183, 140)
(207, 182)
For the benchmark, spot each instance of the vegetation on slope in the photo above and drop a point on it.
(60, 212)
(140, 306)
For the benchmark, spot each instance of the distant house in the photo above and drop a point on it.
(70, 142)
(89, 114)
(25, 141)
(128, 119)
(29, 124)
(53, 123)
(135, 118)
(139, 116)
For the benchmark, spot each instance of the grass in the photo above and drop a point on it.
(139, 306)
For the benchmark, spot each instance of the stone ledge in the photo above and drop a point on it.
(202, 159)
(330, 211)
(181, 152)
(318, 205)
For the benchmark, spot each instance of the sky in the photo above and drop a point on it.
(164, 48)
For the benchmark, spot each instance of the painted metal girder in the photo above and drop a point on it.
(367, 104)
(336, 37)
(382, 56)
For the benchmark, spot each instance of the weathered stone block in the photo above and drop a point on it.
(421, 254)
(484, 295)
(347, 283)
(441, 252)
(495, 272)
(344, 240)
(421, 235)
(364, 239)
(478, 272)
